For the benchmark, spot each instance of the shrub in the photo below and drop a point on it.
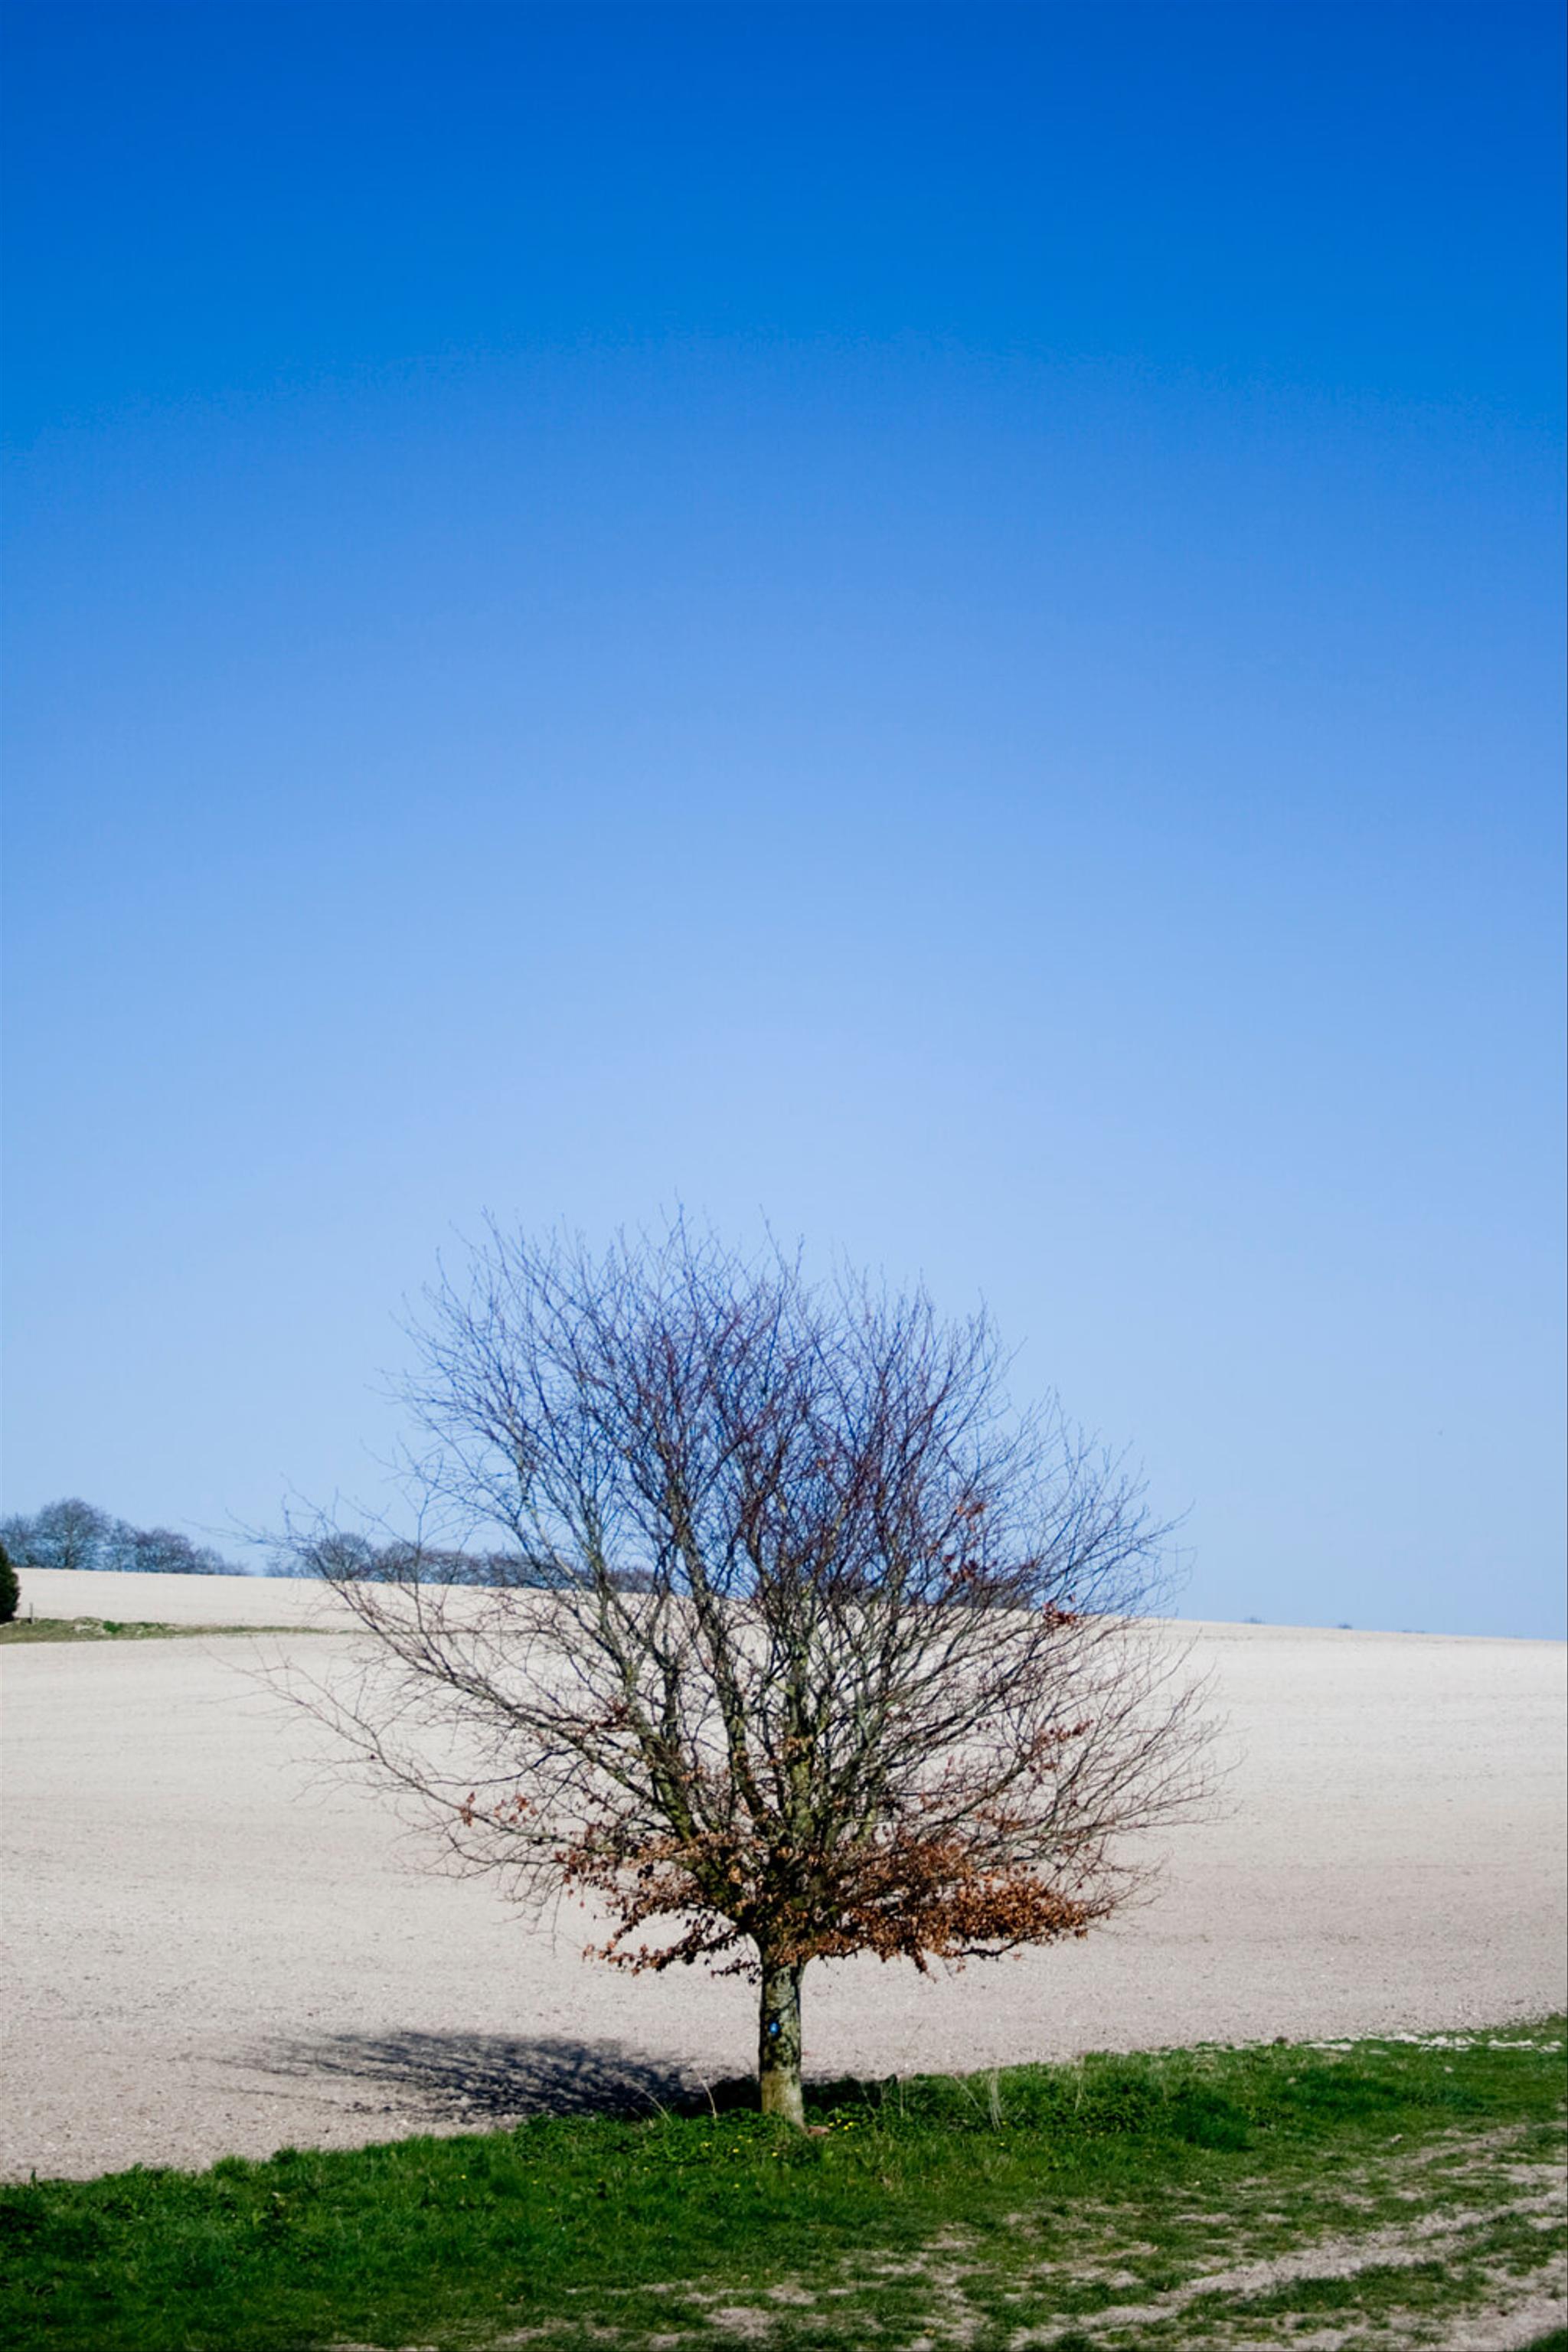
(10, 1588)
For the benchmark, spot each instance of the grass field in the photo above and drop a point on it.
(1379, 2193)
(116, 1629)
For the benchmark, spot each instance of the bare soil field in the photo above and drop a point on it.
(212, 1948)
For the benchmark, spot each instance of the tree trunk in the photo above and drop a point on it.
(778, 2058)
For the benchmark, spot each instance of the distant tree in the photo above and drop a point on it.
(10, 1588)
(67, 1534)
(336, 1552)
(818, 1649)
(406, 1563)
(77, 1535)
(339, 1553)
(163, 1551)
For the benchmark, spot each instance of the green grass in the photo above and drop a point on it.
(115, 1628)
(1119, 2202)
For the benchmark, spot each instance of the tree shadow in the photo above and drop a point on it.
(495, 2078)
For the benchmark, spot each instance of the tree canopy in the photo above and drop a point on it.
(815, 1645)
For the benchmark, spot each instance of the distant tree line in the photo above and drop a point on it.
(74, 1534)
(344, 1555)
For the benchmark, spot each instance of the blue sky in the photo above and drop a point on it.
(937, 625)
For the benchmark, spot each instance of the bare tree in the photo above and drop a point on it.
(72, 1534)
(163, 1551)
(67, 1534)
(337, 1553)
(813, 1647)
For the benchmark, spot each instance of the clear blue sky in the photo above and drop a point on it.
(937, 624)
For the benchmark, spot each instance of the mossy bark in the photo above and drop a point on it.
(778, 2052)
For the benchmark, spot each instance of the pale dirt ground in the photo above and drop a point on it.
(210, 1950)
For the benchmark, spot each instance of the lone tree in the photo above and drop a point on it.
(812, 1646)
